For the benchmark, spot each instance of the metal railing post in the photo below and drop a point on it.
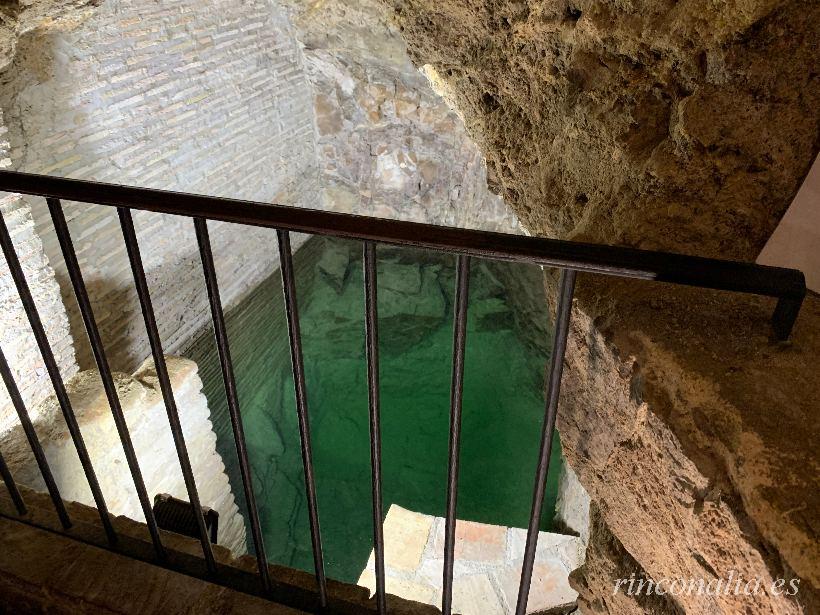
(559, 346)
(221, 336)
(372, 349)
(137, 269)
(56, 379)
(81, 294)
(456, 396)
(14, 492)
(34, 442)
(300, 389)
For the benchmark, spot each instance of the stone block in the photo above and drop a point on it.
(549, 588)
(475, 542)
(405, 537)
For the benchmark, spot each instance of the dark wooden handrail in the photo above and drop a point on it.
(788, 285)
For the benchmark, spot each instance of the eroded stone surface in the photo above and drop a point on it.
(388, 145)
(647, 123)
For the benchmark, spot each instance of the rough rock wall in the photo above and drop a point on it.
(696, 449)
(209, 98)
(676, 125)
(388, 145)
(145, 414)
(685, 126)
(18, 17)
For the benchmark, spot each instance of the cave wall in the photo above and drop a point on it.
(677, 125)
(686, 126)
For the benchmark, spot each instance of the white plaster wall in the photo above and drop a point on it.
(182, 95)
(148, 424)
(796, 241)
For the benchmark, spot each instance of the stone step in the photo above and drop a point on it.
(488, 560)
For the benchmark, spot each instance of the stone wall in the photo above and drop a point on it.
(487, 566)
(177, 95)
(222, 100)
(572, 505)
(388, 145)
(145, 414)
(19, 346)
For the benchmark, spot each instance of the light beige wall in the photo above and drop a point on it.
(796, 241)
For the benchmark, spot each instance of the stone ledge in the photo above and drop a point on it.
(43, 569)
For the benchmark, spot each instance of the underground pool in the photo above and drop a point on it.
(508, 336)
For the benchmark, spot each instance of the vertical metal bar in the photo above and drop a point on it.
(135, 260)
(292, 313)
(456, 390)
(562, 318)
(372, 344)
(221, 335)
(14, 492)
(56, 379)
(33, 441)
(80, 292)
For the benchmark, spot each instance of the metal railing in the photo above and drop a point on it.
(787, 285)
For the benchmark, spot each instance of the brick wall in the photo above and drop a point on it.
(16, 336)
(201, 97)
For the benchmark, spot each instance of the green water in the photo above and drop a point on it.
(502, 412)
